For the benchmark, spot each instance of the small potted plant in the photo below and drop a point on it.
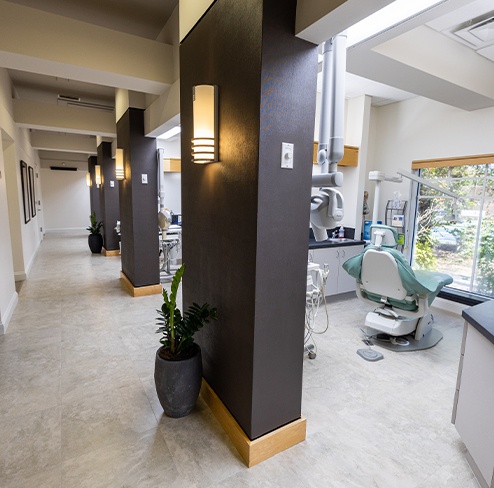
(178, 364)
(95, 239)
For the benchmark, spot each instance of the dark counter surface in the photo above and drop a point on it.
(482, 318)
(313, 244)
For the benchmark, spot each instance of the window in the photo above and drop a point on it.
(457, 237)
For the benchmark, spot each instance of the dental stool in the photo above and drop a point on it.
(403, 295)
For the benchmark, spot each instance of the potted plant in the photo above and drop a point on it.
(178, 364)
(95, 239)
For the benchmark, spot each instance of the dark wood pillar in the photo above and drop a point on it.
(245, 219)
(109, 201)
(94, 193)
(138, 201)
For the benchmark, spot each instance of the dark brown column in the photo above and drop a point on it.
(245, 219)
(138, 201)
(109, 201)
(94, 193)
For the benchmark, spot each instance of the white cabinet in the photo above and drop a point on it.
(473, 412)
(339, 281)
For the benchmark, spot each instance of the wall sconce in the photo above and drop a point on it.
(88, 178)
(97, 175)
(119, 164)
(205, 113)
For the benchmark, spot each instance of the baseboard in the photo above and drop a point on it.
(258, 450)
(5, 319)
(29, 267)
(64, 229)
(448, 306)
(20, 276)
(139, 291)
(111, 252)
(476, 471)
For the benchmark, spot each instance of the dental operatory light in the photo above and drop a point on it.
(119, 164)
(205, 114)
(170, 133)
(388, 17)
(379, 177)
(97, 175)
(88, 179)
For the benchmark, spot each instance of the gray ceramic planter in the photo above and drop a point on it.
(178, 383)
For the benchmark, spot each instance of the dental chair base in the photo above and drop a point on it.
(388, 323)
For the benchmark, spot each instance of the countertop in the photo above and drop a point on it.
(482, 318)
(313, 244)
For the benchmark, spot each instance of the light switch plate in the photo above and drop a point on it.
(112, 183)
(287, 155)
(144, 178)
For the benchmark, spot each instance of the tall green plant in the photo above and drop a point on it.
(178, 331)
(95, 226)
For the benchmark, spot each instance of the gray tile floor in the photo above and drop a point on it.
(78, 406)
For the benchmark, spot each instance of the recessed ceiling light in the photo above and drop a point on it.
(393, 14)
(170, 133)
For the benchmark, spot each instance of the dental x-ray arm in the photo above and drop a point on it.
(326, 208)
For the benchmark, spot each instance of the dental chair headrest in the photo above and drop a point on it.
(389, 236)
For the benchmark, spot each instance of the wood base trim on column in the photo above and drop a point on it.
(262, 448)
(114, 252)
(139, 291)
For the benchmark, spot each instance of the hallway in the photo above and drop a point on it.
(78, 406)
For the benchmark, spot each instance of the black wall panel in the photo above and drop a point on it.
(94, 194)
(110, 210)
(245, 219)
(138, 201)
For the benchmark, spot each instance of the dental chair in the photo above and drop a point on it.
(402, 295)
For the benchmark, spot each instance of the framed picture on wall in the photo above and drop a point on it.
(32, 191)
(25, 193)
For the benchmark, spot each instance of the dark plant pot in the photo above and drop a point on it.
(178, 383)
(95, 242)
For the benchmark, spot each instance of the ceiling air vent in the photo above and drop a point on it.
(62, 168)
(478, 32)
(77, 102)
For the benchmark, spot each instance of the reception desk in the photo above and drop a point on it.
(473, 409)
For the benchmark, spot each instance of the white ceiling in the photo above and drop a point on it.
(420, 57)
(143, 18)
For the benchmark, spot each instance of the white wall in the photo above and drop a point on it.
(19, 242)
(8, 295)
(65, 199)
(31, 236)
(423, 129)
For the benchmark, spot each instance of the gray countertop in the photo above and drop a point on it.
(482, 318)
(313, 244)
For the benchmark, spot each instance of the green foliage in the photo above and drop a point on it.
(485, 277)
(95, 227)
(424, 255)
(178, 331)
